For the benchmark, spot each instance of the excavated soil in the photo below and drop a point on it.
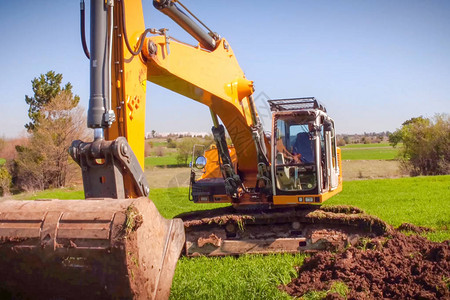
(394, 266)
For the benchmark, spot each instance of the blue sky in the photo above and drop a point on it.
(374, 64)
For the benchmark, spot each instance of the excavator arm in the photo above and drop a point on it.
(208, 73)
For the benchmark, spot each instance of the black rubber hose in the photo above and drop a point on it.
(83, 31)
(142, 38)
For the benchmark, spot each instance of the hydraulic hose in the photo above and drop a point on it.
(83, 30)
(141, 39)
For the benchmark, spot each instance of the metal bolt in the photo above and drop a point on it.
(231, 228)
(152, 48)
(123, 149)
(296, 225)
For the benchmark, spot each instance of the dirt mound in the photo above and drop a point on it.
(414, 228)
(394, 266)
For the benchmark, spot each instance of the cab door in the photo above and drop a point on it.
(332, 166)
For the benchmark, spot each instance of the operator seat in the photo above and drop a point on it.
(304, 147)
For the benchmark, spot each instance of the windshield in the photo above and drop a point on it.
(295, 154)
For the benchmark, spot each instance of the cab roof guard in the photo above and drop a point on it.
(296, 104)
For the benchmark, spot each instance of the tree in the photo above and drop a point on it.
(425, 145)
(45, 162)
(45, 88)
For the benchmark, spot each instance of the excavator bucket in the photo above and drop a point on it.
(87, 249)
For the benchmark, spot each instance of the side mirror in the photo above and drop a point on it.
(200, 162)
(327, 125)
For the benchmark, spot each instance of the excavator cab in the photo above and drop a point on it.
(305, 159)
(295, 154)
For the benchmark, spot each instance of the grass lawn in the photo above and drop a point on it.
(423, 201)
(246, 277)
(62, 194)
(368, 152)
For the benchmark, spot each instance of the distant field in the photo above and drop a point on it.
(158, 143)
(349, 152)
(168, 159)
(369, 152)
(154, 161)
(2, 161)
(376, 145)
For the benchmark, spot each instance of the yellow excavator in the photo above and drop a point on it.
(115, 244)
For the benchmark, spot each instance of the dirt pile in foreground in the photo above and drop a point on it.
(394, 266)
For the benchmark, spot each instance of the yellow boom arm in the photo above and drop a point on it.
(212, 77)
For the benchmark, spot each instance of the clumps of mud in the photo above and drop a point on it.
(393, 266)
(413, 228)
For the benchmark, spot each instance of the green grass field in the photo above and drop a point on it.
(158, 143)
(169, 159)
(356, 146)
(369, 152)
(63, 194)
(423, 201)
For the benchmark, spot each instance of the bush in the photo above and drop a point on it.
(5, 181)
(186, 146)
(160, 151)
(148, 149)
(426, 145)
(171, 143)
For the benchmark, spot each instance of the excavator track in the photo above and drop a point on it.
(225, 231)
(91, 249)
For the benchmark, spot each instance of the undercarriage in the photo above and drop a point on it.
(226, 231)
